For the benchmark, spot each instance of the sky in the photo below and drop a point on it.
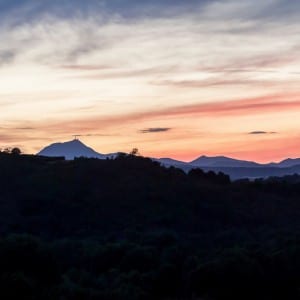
(172, 78)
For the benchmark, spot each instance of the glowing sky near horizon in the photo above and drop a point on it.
(173, 78)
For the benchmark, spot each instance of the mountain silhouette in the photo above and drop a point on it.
(72, 149)
(223, 161)
(171, 162)
(290, 162)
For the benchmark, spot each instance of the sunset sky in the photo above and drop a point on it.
(173, 78)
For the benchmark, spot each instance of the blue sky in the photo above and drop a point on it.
(129, 8)
(31, 8)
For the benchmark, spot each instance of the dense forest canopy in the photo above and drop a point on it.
(129, 228)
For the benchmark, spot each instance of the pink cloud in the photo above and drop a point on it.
(246, 106)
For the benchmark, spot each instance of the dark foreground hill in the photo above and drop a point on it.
(130, 229)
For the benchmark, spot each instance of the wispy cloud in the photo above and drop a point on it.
(13, 128)
(92, 40)
(25, 128)
(81, 67)
(214, 82)
(130, 73)
(6, 56)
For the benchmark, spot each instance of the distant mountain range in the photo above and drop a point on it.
(290, 162)
(235, 168)
(222, 161)
(227, 162)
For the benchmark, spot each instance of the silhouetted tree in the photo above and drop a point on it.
(7, 150)
(134, 151)
(15, 151)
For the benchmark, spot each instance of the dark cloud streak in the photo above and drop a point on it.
(94, 135)
(155, 130)
(258, 132)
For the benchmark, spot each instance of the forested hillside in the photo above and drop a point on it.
(128, 228)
